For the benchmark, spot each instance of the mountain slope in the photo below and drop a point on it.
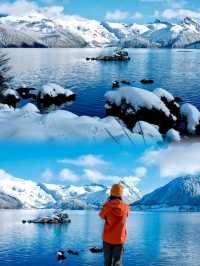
(37, 30)
(182, 192)
(18, 192)
(7, 202)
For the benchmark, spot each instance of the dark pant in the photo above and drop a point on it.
(112, 254)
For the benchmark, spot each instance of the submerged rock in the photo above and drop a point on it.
(126, 82)
(72, 252)
(147, 81)
(96, 250)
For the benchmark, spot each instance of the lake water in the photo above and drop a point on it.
(155, 239)
(176, 70)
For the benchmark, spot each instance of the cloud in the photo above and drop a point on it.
(97, 176)
(175, 160)
(18, 7)
(47, 175)
(137, 15)
(180, 13)
(68, 175)
(24, 7)
(116, 15)
(88, 160)
(140, 172)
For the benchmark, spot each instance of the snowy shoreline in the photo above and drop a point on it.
(134, 115)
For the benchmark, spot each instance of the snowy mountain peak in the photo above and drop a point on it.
(29, 194)
(37, 29)
(180, 192)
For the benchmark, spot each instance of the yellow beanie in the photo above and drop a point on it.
(116, 190)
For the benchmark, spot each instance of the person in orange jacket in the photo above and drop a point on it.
(115, 213)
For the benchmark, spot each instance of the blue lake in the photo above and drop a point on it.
(176, 70)
(155, 239)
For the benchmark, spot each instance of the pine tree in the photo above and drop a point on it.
(5, 77)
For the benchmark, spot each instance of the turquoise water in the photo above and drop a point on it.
(176, 70)
(154, 239)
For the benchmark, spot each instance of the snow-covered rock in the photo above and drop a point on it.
(5, 107)
(192, 115)
(182, 193)
(54, 90)
(173, 135)
(149, 131)
(162, 93)
(137, 98)
(132, 104)
(10, 92)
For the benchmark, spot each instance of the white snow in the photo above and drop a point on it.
(10, 92)
(137, 98)
(148, 130)
(26, 191)
(192, 115)
(33, 195)
(54, 90)
(76, 31)
(173, 135)
(28, 124)
(30, 108)
(164, 93)
(5, 107)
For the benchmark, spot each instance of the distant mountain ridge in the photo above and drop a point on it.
(182, 193)
(20, 193)
(37, 30)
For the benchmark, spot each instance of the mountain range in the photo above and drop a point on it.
(20, 193)
(181, 194)
(37, 30)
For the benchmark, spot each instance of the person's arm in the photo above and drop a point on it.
(103, 212)
(128, 210)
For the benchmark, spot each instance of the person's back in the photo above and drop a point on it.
(115, 213)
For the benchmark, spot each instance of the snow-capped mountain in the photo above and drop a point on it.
(16, 193)
(38, 30)
(182, 193)
(8, 202)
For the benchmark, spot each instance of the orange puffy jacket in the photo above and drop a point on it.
(115, 213)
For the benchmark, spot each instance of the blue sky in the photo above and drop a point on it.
(115, 10)
(58, 163)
